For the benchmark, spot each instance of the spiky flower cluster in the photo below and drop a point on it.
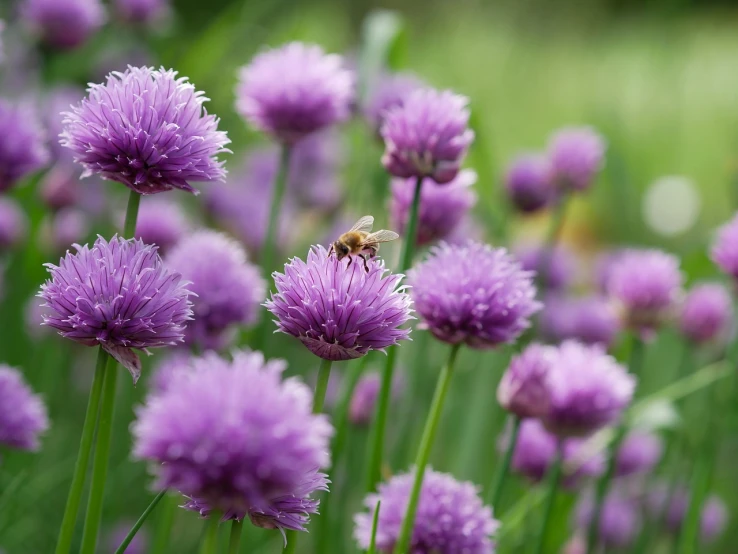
(427, 136)
(451, 518)
(228, 288)
(473, 294)
(340, 311)
(147, 129)
(522, 389)
(252, 448)
(117, 294)
(292, 91)
(22, 143)
(22, 414)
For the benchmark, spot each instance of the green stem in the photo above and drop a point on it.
(291, 543)
(426, 444)
(100, 464)
(66, 533)
(235, 539)
(375, 522)
(164, 524)
(209, 544)
(552, 239)
(129, 227)
(376, 441)
(324, 375)
(280, 184)
(132, 533)
(554, 475)
(603, 485)
(495, 491)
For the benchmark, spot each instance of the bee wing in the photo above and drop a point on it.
(380, 236)
(364, 224)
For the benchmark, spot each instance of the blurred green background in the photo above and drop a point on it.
(659, 81)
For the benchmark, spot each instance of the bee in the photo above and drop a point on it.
(360, 241)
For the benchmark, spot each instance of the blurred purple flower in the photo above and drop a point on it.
(523, 390)
(161, 222)
(22, 413)
(177, 362)
(139, 544)
(528, 183)
(576, 155)
(13, 223)
(442, 207)
(63, 229)
(141, 11)
(63, 24)
(60, 186)
(473, 294)
(713, 518)
(294, 90)
(725, 248)
(228, 288)
(603, 266)
(588, 319)
(707, 313)
(147, 129)
(646, 285)
(339, 311)
(55, 103)
(390, 91)
(556, 269)
(428, 136)
(366, 392)
(34, 319)
(588, 390)
(119, 295)
(451, 518)
(535, 450)
(620, 518)
(22, 143)
(252, 447)
(638, 453)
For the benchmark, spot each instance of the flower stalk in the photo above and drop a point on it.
(324, 375)
(136, 526)
(426, 444)
(376, 442)
(209, 544)
(235, 538)
(495, 492)
(554, 476)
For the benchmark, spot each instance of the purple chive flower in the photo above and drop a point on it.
(528, 183)
(53, 106)
(60, 187)
(141, 11)
(366, 392)
(65, 227)
(638, 453)
(22, 143)
(22, 413)
(161, 222)
(473, 294)
(390, 91)
(339, 311)
(13, 224)
(451, 518)
(588, 319)
(139, 544)
(603, 267)
(588, 390)
(535, 450)
(712, 519)
(173, 366)
(556, 268)
(646, 285)
(576, 155)
(707, 313)
(252, 447)
(620, 518)
(147, 129)
(427, 136)
(228, 288)
(725, 248)
(292, 91)
(63, 24)
(522, 389)
(442, 207)
(117, 294)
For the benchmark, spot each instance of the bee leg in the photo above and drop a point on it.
(330, 251)
(366, 267)
(351, 259)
